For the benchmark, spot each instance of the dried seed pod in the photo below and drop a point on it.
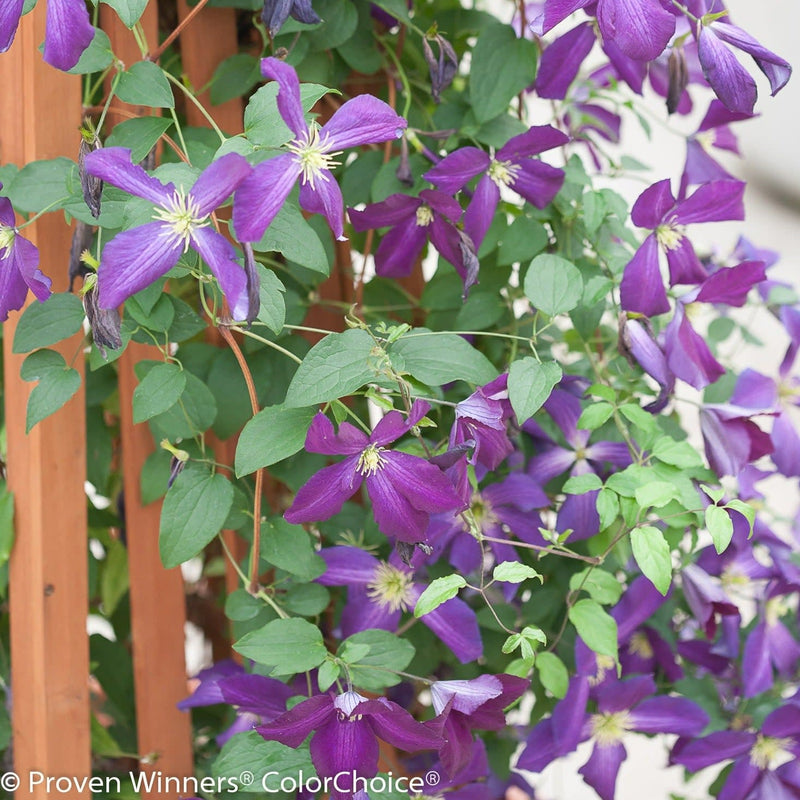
(678, 79)
(91, 186)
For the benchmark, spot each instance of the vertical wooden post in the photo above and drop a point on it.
(39, 118)
(158, 610)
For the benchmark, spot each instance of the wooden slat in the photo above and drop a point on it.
(39, 116)
(158, 608)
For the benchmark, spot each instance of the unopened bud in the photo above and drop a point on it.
(104, 322)
(253, 283)
(443, 69)
(403, 173)
(678, 79)
(91, 186)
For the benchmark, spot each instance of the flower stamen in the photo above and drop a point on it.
(503, 173)
(370, 460)
(390, 587)
(314, 155)
(608, 728)
(182, 214)
(7, 236)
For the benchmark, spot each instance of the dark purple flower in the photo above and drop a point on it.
(311, 157)
(642, 287)
(379, 592)
(69, 31)
(257, 699)
(732, 440)
(641, 29)
(137, 257)
(513, 165)
(622, 706)
(19, 265)
(347, 730)
(276, 12)
(637, 343)
(731, 82)
(476, 704)
(754, 755)
(405, 490)
(706, 598)
(561, 61)
(413, 220)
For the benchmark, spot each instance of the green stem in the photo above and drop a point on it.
(190, 96)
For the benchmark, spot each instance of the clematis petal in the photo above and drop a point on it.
(554, 12)
(262, 194)
(579, 513)
(321, 438)
(547, 465)
(292, 727)
(786, 455)
(467, 695)
(69, 32)
(537, 182)
(569, 715)
(345, 748)
(741, 779)
(347, 566)
(256, 694)
(220, 256)
(363, 613)
(642, 288)
(10, 13)
(541, 748)
(668, 715)
(714, 748)
(561, 61)
(24, 257)
(425, 485)
(217, 182)
(718, 201)
(687, 353)
(652, 205)
(325, 492)
(361, 120)
(134, 259)
(783, 722)
(458, 168)
(731, 82)
(684, 265)
(456, 753)
(537, 139)
(396, 726)
(394, 424)
(325, 198)
(114, 166)
(454, 622)
(731, 285)
(640, 28)
(602, 768)
(400, 248)
(756, 667)
(395, 209)
(288, 100)
(13, 289)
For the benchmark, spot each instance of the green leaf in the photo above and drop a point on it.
(678, 454)
(291, 235)
(193, 513)
(128, 11)
(194, 412)
(40, 185)
(594, 211)
(553, 284)
(144, 84)
(441, 358)
(333, 368)
(652, 554)
(439, 591)
(597, 628)
(287, 645)
(96, 57)
(270, 436)
(553, 674)
(638, 417)
(114, 582)
(594, 416)
(720, 526)
(385, 654)
(57, 384)
(272, 308)
(267, 762)
(288, 547)
(502, 66)
(158, 391)
(240, 606)
(44, 324)
(656, 494)
(307, 599)
(745, 509)
(581, 484)
(327, 675)
(715, 494)
(6, 523)
(600, 585)
(139, 135)
(514, 572)
(234, 77)
(607, 507)
(530, 384)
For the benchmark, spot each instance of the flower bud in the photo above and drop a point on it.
(91, 186)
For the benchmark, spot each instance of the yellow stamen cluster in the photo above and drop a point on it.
(424, 216)
(390, 587)
(314, 155)
(370, 460)
(670, 235)
(7, 235)
(608, 728)
(768, 749)
(183, 216)
(639, 645)
(503, 173)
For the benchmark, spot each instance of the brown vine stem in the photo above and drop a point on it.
(159, 51)
(253, 587)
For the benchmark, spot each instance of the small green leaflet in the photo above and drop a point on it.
(287, 645)
(45, 324)
(144, 84)
(652, 554)
(439, 591)
(553, 284)
(596, 627)
(514, 572)
(158, 391)
(270, 436)
(553, 674)
(720, 526)
(57, 384)
(530, 384)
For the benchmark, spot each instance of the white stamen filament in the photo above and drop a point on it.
(670, 235)
(7, 235)
(314, 154)
(608, 728)
(503, 173)
(390, 587)
(424, 216)
(183, 216)
(768, 749)
(370, 460)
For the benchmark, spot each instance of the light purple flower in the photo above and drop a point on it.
(19, 265)
(69, 31)
(513, 165)
(311, 156)
(380, 592)
(137, 257)
(706, 598)
(642, 287)
(732, 440)
(731, 82)
(347, 729)
(405, 490)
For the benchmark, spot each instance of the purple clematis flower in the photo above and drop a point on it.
(754, 755)
(732, 440)
(19, 265)
(311, 157)
(637, 343)
(642, 288)
(347, 729)
(379, 592)
(405, 490)
(413, 220)
(706, 598)
(477, 704)
(561, 61)
(69, 31)
(622, 706)
(137, 257)
(513, 165)
(731, 82)
(641, 29)
(257, 699)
